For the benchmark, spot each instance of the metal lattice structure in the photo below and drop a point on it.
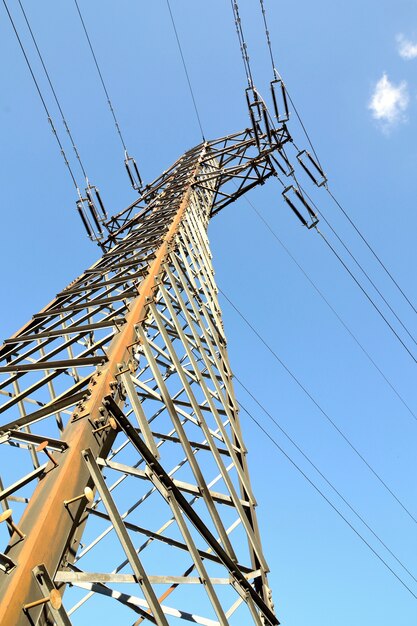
(124, 475)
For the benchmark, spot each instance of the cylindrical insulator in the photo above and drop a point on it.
(84, 220)
(255, 127)
(137, 174)
(295, 210)
(95, 216)
(132, 182)
(266, 122)
(100, 202)
(304, 201)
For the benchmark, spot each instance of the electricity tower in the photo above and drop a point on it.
(125, 494)
(124, 474)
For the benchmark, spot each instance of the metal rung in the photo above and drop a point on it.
(6, 493)
(54, 444)
(53, 365)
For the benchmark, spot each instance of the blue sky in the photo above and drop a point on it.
(351, 70)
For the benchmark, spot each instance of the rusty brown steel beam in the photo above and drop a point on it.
(49, 526)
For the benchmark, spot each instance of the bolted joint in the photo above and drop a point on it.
(54, 599)
(111, 423)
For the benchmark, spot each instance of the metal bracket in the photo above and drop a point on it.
(6, 564)
(47, 588)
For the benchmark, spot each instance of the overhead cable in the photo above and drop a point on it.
(326, 301)
(303, 195)
(327, 481)
(367, 296)
(186, 70)
(369, 279)
(242, 42)
(92, 194)
(311, 482)
(268, 38)
(358, 264)
(64, 121)
(368, 245)
(130, 163)
(116, 123)
(338, 204)
(319, 407)
(38, 89)
(329, 502)
(277, 76)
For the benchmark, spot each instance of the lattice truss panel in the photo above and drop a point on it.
(124, 475)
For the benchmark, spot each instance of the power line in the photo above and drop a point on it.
(50, 121)
(315, 402)
(309, 140)
(303, 191)
(116, 123)
(242, 42)
(322, 296)
(53, 91)
(185, 70)
(329, 502)
(276, 75)
(371, 250)
(352, 223)
(331, 485)
(268, 37)
(365, 273)
(130, 163)
(368, 297)
(307, 135)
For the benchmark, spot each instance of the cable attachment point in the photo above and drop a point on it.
(255, 112)
(298, 199)
(91, 224)
(254, 103)
(279, 100)
(259, 115)
(133, 173)
(94, 199)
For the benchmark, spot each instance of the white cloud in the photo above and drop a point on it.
(389, 102)
(406, 48)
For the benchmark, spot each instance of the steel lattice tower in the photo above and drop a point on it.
(124, 476)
